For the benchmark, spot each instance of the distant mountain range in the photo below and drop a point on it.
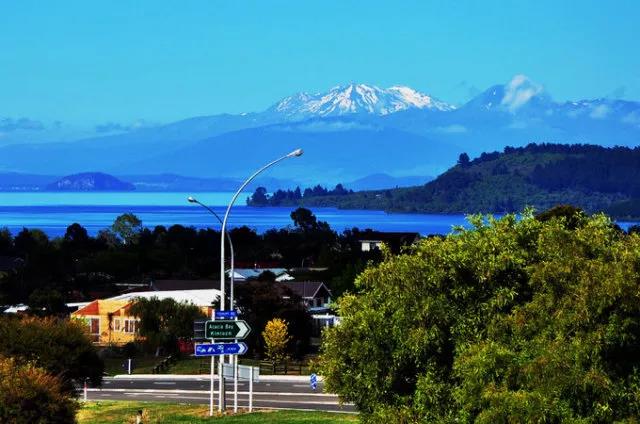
(90, 181)
(348, 133)
(96, 181)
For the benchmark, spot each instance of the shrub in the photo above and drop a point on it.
(29, 395)
(60, 346)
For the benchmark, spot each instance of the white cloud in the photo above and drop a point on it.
(322, 126)
(519, 91)
(632, 118)
(599, 112)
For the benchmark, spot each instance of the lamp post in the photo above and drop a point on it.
(192, 199)
(295, 153)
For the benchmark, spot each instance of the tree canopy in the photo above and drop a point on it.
(59, 346)
(530, 320)
(162, 322)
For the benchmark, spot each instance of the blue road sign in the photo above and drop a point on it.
(226, 314)
(313, 380)
(215, 349)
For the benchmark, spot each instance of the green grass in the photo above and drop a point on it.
(142, 365)
(108, 412)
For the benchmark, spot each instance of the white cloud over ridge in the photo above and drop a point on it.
(600, 111)
(519, 91)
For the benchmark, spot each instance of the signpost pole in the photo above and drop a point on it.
(211, 388)
(235, 360)
(251, 392)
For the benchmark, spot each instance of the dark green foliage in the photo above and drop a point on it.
(593, 178)
(162, 322)
(536, 320)
(295, 197)
(60, 346)
(80, 267)
(263, 299)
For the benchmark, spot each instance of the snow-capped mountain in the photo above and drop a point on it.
(356, 99)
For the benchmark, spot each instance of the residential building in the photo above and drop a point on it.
(314, 294)
(371, 240)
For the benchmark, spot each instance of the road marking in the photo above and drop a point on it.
(179, 391)
(171, 383)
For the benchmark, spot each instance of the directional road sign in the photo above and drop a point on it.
(313, 381)
(226, 329)
(226, 314)
(215, 349)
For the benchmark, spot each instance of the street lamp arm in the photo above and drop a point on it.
(192, 200)
(295, 153)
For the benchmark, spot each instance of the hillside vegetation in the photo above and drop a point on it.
(594, 178)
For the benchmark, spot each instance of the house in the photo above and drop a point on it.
(372, 240)
(314, 294)
(108, 321)
(244, 274)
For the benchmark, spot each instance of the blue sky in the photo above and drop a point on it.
(89, 63)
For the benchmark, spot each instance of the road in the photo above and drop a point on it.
(271, 392)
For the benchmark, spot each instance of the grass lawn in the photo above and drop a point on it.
(108, 412)
(141, 365)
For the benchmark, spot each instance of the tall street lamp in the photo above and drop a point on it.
(192, 199)
(295, 153)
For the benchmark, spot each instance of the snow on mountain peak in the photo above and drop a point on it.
(357, 98)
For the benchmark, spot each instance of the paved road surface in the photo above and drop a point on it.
(270, 392)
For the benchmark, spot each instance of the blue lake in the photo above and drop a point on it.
(53, 212)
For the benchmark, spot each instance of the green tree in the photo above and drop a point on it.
(47, 301)
(60, 346)
(29, 394)
(162, 322)
(509, 321)
(128, 227)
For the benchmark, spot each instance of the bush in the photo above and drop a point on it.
(511, 321)
(29, 395)
(60, 346)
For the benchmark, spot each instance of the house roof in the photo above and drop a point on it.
(305, 289)
(388, 236)
(10, 263)
(14, 309)
(247, 273)
(165, 285)
(101, 307)
(202, 298)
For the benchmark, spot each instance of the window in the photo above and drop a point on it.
(94, 326)
(130, 326)
(116, 324)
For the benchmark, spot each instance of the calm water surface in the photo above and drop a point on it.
(53, 212)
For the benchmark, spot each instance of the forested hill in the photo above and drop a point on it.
(594, 178)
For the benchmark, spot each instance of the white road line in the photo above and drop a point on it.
(179, 391)
(166, 383)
